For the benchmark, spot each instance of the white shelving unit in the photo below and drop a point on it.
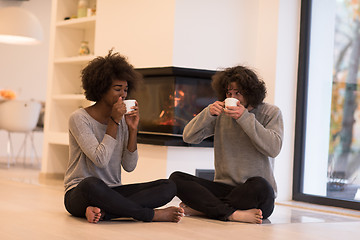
(64, 92)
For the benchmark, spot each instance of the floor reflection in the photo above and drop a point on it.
(286, 214)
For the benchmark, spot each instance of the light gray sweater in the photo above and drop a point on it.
(94, 153)
(244, 147)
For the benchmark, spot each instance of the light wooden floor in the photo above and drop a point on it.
(34, 210)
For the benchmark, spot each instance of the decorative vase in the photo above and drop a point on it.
(82, 8)
(84, 48)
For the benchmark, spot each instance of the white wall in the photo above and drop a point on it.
(142, 30)
(23, 69)
(266, 44)
(212, 34)
(285, 90)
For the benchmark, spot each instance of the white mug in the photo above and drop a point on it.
(231, 102)
(129, 104)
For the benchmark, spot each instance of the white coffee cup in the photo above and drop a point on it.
(231, 102)
(129, 104)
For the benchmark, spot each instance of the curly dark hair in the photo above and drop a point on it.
(250, 86)
(98, 75)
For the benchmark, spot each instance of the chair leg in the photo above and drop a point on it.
(8, 146)
(23, 148)
(33, 147)
(10, 151)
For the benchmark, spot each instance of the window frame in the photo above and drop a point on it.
(301, 116)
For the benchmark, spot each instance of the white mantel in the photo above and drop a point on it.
(156, 162)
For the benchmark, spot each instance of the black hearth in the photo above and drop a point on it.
(169, 98)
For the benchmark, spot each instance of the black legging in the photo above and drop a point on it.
(218, 200)
(133, 200)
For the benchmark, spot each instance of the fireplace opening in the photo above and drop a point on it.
(169, 98)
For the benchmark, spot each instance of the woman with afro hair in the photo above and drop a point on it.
(246, 139)
(102, 139)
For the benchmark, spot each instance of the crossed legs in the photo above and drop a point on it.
(248, 202)
(93, 199)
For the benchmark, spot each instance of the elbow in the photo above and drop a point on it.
(276, 150)
(100, 164)
(185, 135)
(129, 163)
(190, 140)
(129, 168)
(101, 161)
(186, 138)
(274, 154)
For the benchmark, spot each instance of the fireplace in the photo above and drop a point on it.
(169, 98)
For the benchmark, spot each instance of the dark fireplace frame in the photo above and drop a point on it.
(169, 139)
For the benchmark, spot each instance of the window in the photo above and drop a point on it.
(327, 143)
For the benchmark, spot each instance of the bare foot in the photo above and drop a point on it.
(169, 214)
(249, 216)
(93, 214)
(188, 211)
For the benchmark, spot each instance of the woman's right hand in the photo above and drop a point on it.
(118, 110)
(217, 108)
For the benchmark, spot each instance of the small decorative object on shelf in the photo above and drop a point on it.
(84, 48)
(7, 94)
(82, 8)
(91, 11)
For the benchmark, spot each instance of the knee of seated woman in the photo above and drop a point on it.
(175, 175)
(91, 182)
(168, 183)
(170, 189)
(171, 183)
(256, 179)
(258, 182)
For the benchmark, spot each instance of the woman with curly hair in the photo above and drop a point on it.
(246, 139)
(102, 138)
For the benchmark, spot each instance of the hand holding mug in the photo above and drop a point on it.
(231, 102)
(130, 105)
(217, 108)
(233, 108)
(132, 116)
(118, 110)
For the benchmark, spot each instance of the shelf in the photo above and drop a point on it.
(64, 93)
(78, 23)
(60, 138)
(75, 59)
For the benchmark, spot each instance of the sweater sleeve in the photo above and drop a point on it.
(200, 127)
(98, 152)
(267, 136)
(129, 159)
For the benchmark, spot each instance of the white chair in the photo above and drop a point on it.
(19, 116)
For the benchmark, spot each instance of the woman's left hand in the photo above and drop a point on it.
(132, 118)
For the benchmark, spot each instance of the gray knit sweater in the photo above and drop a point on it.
(244, 147)
(94, 153)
